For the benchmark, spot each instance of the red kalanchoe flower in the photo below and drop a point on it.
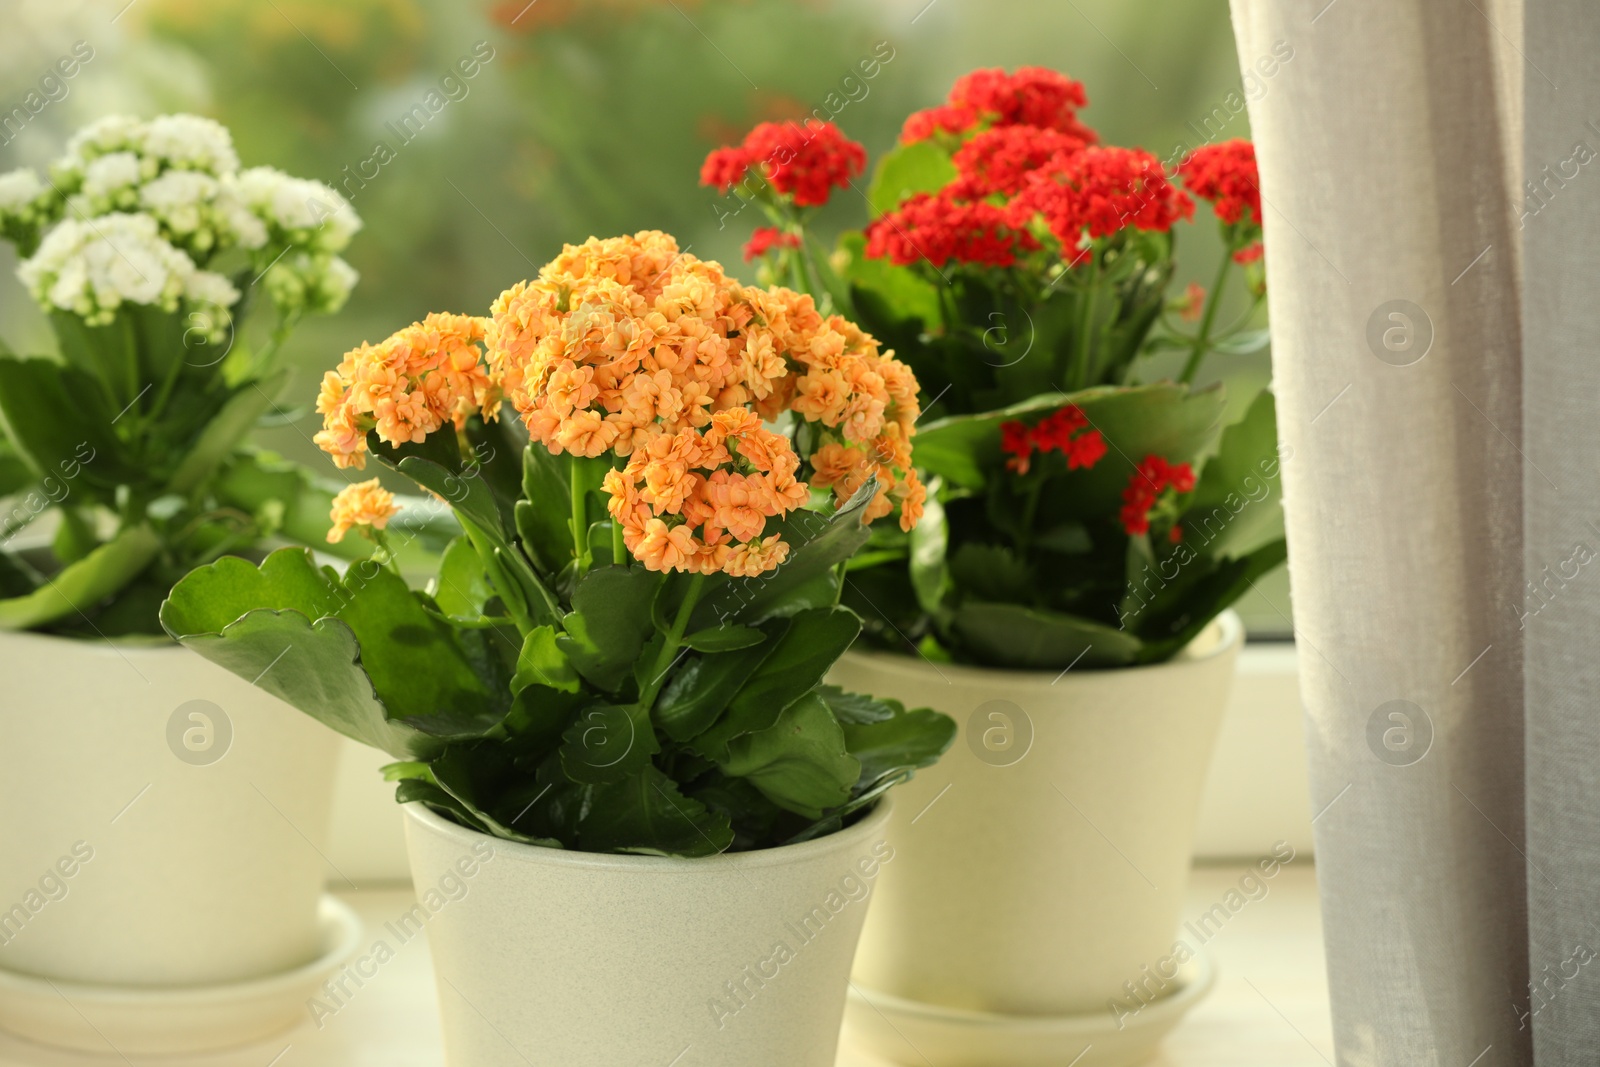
(1065, 431)
(998, 161)
(1225, 174)
(803, 163)
(940, 229)
(1098, 191)
(1149, 481)
(1249, 254)
(1033, 96)
(766, 238)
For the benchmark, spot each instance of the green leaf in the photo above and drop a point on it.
(466, 491)
(701, 687)
(854, 708)
(59, 424)
(724, 638)
(898, 745)
(607, 743)
(800, 762)
(992, 572)
(541, 662)
(887, 293)
(1161, 419)
(1021, 638)
(224, 433)
(920, 167)
(408, 661)
(1236, 506)
(79, 587)
(813, 642)
(543, 516)
(1166, 633)
(646, 814)
(610, 622)
(461, 588)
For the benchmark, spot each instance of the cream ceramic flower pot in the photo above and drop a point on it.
(585, 960)
(163, 823)
(1041, 865)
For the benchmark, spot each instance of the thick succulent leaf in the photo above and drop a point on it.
(930, 546)
(919, 167)
(466, 490)
(1163, 419)
(1236, 507)
(724, 638)
(541, 662)
(855, 709)
(800, 762)
(77, 589)
(607, 743)
(461, 588)
(610, 623)
(1203, 601)
(59, 423)
(812, 643)
(545, 527)
(701, 687)
(214, 608)
(647, 814)
(898, 745)
(1022, 638)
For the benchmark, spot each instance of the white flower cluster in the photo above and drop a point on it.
(181, 176)
(91, 267)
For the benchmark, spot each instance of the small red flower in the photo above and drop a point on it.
(1033, 96)
(1248, 254)
(804, 163)
(766, 238)
(1192, 303)
(1226, 175)
(1154, 476)
(938, 228)
(1098, 191)
(1065, 431)
(1000, 160)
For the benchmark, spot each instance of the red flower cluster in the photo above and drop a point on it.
(766, 238)
(804, 163)
(999, 161)
(1066, 431)
(940, 228)
(1249, 254)
(1033, 96)
(1098, 191)
(1149, 481)
(1225, 174)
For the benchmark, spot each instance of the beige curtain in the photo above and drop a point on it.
(1436, 329)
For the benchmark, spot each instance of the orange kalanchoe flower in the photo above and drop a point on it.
(630, 347)
(361, 504)
(406, 387)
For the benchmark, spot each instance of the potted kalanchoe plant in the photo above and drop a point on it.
(169, 276)
(608, 709)
(1088, 524)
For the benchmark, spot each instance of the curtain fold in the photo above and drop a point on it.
(1391, 155)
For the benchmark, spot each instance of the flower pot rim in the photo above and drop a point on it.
(143, 644)
(781, 856)
(1228, 621)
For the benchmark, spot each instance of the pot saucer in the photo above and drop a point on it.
(910, 1032)
(129, 1020)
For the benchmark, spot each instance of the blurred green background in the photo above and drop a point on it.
(585, 117)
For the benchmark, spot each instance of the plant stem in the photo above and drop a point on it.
(1091, 297)
(580, 516)
(1030, 508)
(1202, 339)
(669, 650)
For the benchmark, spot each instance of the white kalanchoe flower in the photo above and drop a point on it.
(190, 142)
(114, 133)
(209, 287)
(92, 267)
(19, 189)
(110, 183)
(184, 202)
(298, 211)
(309, 283)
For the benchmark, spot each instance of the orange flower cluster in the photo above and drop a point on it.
(361, 504)
(693, 501)
(630, 347)
(406, 387)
